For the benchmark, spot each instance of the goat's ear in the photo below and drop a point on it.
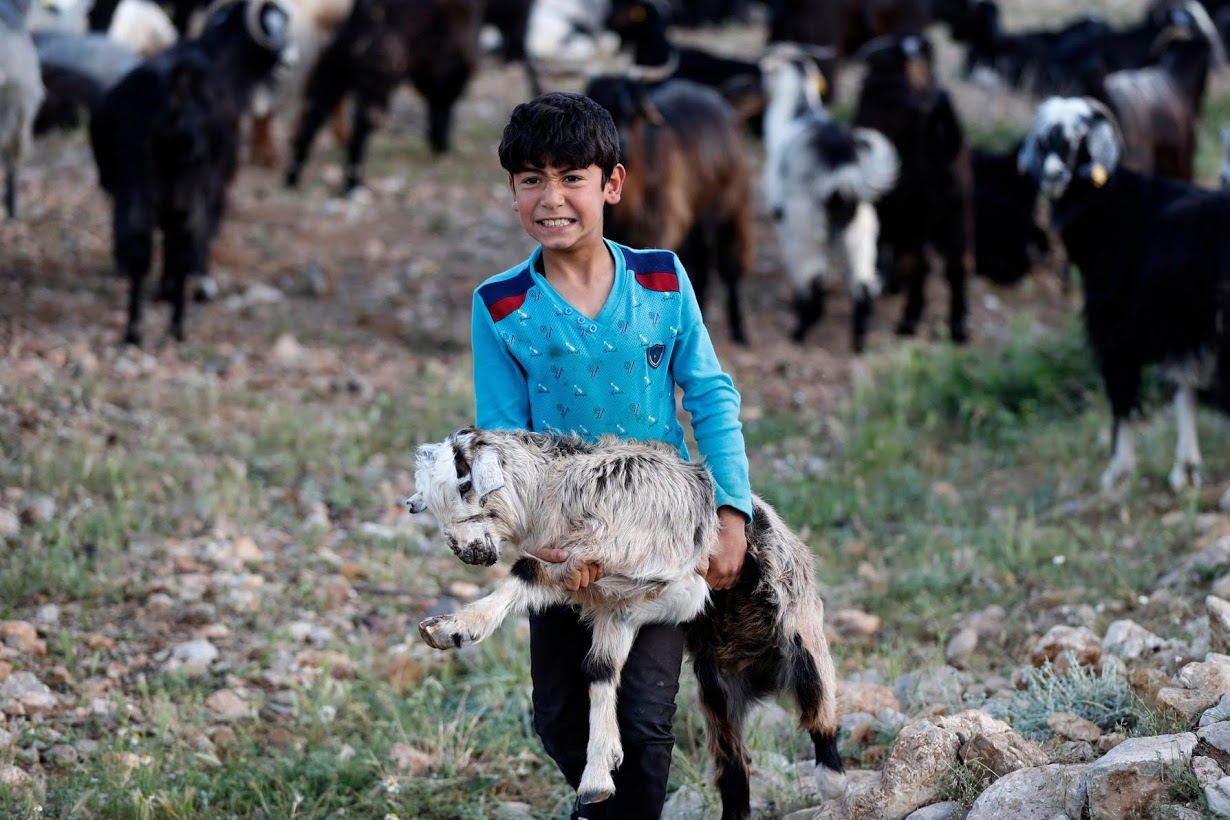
(1104, 150)
(269, 23)
(486, 474)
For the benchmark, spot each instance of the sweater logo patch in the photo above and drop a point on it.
(654, 354)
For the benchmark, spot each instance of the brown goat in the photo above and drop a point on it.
(689, 183)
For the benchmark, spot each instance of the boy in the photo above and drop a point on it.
(590, 337)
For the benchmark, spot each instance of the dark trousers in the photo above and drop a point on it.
(646, 711)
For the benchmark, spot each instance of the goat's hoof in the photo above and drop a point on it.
(291, 179)
(959, 335)
(442, 632)
(205, 290)
(907, 327)
(596, 787)
(1185, 475)
(831, 784)
(132, 337)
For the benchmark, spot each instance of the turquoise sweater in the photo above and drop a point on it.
(539, 364)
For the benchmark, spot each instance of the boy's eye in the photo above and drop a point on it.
(464, 487)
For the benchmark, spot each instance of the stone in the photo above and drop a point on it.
(13, 777)
(1073, 727)
(62, 756)
(1206, 770)
(852, 624)
(193, 656)
(1215, 714)
(1003, 752)
(936, 811)
(23, 637)
(226, 704)
(37, 508)
(1040, 793)
(1131, 778)
(1200, 686)
(912, 777)
(860, 696)
(513, 810)
(1129, 640)
(1074, 615)
(923, 688)
(10, 524)
(1217, 795)
(1063, 645)
(1215, 742)
(961, 647)
(1219, 623)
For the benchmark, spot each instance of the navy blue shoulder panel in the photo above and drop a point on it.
(654, 270)
(503, 296)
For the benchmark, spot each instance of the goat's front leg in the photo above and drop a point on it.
(523, 591)
(10, 189)
(1186, 472)
(613, 637)
(1122, 387)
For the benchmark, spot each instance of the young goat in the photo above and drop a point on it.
(431, 43)
(820, 181)
(166, 141)
(1155, 269)
(650, 519)
(689, 185)
(931, 205)
(21, 93)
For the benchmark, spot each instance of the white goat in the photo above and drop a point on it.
(21, 93)
(820, 182)
(143, 26)
(649, 518)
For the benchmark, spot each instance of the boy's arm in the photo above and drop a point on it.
(712, 402)
(501, 397)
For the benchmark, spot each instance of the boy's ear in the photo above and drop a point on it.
(615, 184)
(512, 187)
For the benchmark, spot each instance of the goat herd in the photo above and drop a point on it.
(1112, 147)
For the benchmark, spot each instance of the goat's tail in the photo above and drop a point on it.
(877, 163)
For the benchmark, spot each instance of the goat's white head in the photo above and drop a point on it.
(453, 479)
(1071, 138)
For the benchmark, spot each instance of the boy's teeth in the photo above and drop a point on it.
(556, 223)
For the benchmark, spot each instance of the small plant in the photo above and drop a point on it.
(1101, 697)
(964, 782)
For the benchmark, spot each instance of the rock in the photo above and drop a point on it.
(936, 811)
(1041, 793)
(1073, 727)
(411, 760)
(47, 615)
(1131, 778)
(23, 637)
(13, 777)
(851, 624)
(1215, 742)
(1074, 615)
(193, 657)
(7, 739)
(10, 524)
(1074, 751)
(340, 666)
(228, 705)
(1206, 770)
(1219, 712)
(1200, 686)
(1130, 640)
(925, 687)
(1219, 623)
(1062, 645)
(1003, 752)
(1217, 795)
(37, 508)
(513, 810)
(859, 696)
(21, 685)
(62, 756)
(913, 773)
(690, 803)
(961, 647)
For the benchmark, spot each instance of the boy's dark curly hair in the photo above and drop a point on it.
(561, 129)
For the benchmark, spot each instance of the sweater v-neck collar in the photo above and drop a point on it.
(609, 307)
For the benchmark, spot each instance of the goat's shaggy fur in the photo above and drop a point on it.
(649, 518)
(820, 181)
(1155, 270)
(689, 183)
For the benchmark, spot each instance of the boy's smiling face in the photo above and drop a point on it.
(561, 208)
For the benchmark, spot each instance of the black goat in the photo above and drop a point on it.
(1007, 236)
(689, 186)
(512, 19)
(166, 140)
(931, 205)
(431, 43)
(642, 26)
(1154, 259)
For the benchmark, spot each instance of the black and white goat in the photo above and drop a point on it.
(650, 519)
(433, 44)
(1008, 239)
(1154, 259)
(931, 207)
(821, 180)
(21, 94)
(166, 142)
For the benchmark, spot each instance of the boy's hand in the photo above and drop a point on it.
(727, 559)
(581, 576)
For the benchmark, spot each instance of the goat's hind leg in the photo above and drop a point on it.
(814, 682)
(521, 592)
(1186, 471)
(724, 702)
(613, 638)
(132, 235)
(10, 189)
